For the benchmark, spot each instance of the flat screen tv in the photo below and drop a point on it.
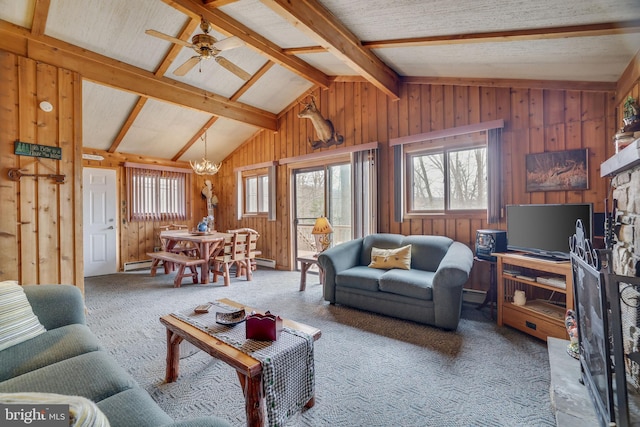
(544, 230)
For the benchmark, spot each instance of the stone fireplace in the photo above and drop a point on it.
(624, 170)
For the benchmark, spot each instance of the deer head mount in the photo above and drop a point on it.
(324, 128)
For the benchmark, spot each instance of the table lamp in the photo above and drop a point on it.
(321, 230)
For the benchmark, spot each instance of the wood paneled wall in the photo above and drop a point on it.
(536, 120)
(40, 221)
(139, 237)
(634, 92)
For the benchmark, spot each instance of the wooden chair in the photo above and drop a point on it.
(186, 248)
(250, 254)
(234, 252)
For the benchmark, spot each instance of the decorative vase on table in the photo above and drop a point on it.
(202, 226)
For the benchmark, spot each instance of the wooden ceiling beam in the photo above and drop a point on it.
(304, 49)
(187, 30)
(247, 85)
(195, 137)
(227, 25)
(40, 14)
(217, 3)
(133, 115)
(175, 49)
(318, 23)
(591, 30)
(107, 71)
(233, 97)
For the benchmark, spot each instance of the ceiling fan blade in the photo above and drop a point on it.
(163, 36)
(228, 43)
(233, 68)
(187, 66)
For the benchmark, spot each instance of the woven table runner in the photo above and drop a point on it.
(287, 364)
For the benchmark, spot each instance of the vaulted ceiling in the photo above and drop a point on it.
(134, 103)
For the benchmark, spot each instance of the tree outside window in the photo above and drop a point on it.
(447, 180)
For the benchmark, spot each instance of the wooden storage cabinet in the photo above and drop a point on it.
(543, 314)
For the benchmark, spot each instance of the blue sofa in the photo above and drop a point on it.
(68, 359)
(430, 292)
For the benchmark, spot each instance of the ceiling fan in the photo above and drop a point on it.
(207, 47)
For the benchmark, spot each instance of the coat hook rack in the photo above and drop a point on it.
(16, 174)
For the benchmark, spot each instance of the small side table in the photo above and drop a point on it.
(492, 293)
(305, 263)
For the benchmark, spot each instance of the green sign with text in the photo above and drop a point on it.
(36, 150)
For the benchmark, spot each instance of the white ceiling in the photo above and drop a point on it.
(116, 29)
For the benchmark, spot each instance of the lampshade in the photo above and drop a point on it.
(322, 226)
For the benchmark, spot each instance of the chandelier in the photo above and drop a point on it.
(205, 167)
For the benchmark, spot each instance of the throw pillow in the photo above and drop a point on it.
(391, 258)
(82, 411)
(17, 321)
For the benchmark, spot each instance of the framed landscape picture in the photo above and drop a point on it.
(557, 171)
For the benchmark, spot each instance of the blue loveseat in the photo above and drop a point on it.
(430, 292)
(68, 359)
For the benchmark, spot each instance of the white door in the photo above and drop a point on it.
(99, 208)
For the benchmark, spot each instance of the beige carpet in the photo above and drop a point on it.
(371, 370)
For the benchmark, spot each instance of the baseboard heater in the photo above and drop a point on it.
(137, 265)
(264, 262)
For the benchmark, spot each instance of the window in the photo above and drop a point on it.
(445, 180)
(156, 194)
(256, 190)
(256, 194)
(454, 170)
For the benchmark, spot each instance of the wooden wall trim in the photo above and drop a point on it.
(495, 82)
(118, 158)
(255, 166)
(628, 79)
(156, 167)
(332, 153)
(445, 133)
(515, 83)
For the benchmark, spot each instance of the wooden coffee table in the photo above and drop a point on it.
(249, 370)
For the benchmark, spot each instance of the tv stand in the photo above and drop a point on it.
(548, 286)
(544, 257)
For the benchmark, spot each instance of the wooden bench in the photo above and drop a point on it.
(182, 261)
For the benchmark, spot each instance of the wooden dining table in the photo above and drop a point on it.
(209, 245)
